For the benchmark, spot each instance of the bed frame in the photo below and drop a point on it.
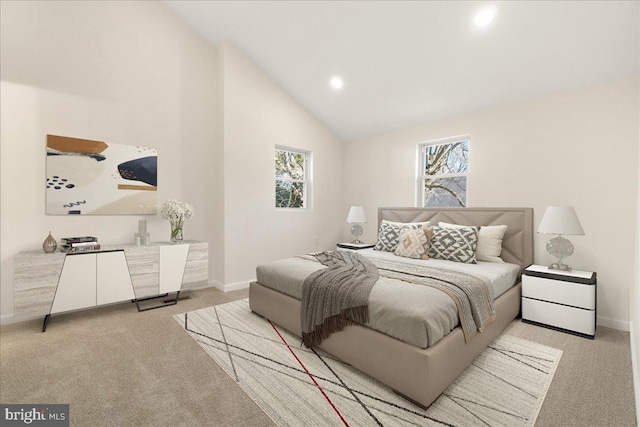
(420, 375)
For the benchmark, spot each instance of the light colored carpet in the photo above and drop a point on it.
(505, 385)
(118, 367)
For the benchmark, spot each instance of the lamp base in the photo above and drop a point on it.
(356, 231)
(560, 248)
(356, 241)
(559, 266)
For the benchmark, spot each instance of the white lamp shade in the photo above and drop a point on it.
(560, 220)
(356, 214)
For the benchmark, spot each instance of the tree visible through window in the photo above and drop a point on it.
(292, 177)
(443, 173)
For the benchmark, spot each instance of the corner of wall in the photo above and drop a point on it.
(635, 361)
(634, 309)
(215, 175)
(258, 114)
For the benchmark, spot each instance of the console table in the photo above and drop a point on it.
(47, 284)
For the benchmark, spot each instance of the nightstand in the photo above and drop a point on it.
(561, 300)
(353, 246)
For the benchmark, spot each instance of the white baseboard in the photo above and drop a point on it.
(635, 360)
(612, 323)
(7, 319)
(231, 286)
(217, 284)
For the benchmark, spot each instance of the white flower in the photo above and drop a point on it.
(176, 211)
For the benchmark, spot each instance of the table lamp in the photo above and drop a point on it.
(560, 220)
(356, 217)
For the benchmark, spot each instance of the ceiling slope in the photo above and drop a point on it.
(407, 63)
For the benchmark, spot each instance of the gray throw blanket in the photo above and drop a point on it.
(336, 296)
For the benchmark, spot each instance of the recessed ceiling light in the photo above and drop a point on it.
(336, 82)
(485, 16)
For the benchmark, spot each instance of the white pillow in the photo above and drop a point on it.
(489, 241)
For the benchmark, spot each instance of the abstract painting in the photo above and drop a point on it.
(86, 177)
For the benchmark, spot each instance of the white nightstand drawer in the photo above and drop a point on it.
(573, 294)
(560, 316)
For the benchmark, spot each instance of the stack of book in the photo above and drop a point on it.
(79, 244)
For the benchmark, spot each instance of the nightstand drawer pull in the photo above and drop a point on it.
(557, 291)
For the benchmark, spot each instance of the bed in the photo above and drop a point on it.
(418, 374)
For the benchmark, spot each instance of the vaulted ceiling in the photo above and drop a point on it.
(407, 63)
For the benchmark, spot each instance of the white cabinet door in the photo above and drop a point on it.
(77, 284)
(144, 268)
(114, 282)
(173, 259)
(196, 272)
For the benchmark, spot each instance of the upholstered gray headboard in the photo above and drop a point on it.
(517, 245)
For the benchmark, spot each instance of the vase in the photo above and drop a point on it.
(49, 245)
(176, 230)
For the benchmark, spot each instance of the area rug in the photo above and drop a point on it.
(294, 386)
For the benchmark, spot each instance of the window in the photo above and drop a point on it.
(442, 172)
(292, 172)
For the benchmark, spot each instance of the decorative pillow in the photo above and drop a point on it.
(454, 244)
(414, 242)
(489, 241)
(389, 234)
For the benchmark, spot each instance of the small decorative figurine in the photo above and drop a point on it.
(49, 245)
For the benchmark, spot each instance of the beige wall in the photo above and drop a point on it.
(258, 115)
(123, 72)
(578, 148)
(133, 73)
(215, 201)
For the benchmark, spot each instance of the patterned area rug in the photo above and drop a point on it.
(505, 385)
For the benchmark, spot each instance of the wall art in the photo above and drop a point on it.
(86, 177)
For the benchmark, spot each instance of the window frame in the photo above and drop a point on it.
(306, 182)
(421, 176)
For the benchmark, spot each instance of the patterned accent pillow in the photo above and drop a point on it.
(389, 234)
(455, 244)
(414, 243)
(489, 241)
